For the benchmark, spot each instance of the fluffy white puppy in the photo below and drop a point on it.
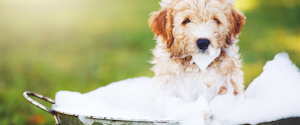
(196, 52)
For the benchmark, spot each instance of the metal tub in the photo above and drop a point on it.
(62, 118)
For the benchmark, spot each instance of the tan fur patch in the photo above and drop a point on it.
(236, 91)
(162, 25)
(223, 90)
(237, 21)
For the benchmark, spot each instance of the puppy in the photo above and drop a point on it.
(196, 52)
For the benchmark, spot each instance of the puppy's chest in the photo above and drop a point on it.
(189, 86)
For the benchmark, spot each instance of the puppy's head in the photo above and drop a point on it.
(189, 27)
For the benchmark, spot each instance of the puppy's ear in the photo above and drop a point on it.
(162, 25)
(236, 20)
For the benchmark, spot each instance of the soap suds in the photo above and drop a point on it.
(271, 96)
(204, 59)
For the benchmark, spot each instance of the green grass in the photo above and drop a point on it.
(52, 45)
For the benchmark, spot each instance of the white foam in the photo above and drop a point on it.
(191, 112)
(203, 59)
(124, 99)
(271, 96)
(85, 120)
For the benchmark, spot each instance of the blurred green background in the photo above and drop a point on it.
(80, 45)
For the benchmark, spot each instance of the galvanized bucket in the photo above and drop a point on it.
(62, 118)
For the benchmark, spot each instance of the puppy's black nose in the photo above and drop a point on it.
(203, 43)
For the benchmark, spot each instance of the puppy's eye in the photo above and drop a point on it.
(186, 21)
(216, 20)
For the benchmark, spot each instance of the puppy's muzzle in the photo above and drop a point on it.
(203, 44)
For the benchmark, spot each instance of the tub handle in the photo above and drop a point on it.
(49, 110)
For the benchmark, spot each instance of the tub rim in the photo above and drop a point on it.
(53, 112)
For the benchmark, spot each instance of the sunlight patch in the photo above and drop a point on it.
(245, 5)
